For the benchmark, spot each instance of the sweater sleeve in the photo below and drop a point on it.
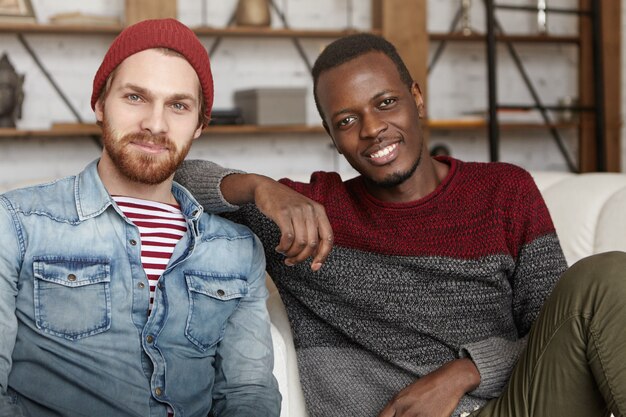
(203, 179)
(495, 358)
(538, 263)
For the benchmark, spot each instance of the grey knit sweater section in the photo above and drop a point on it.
(409, 287)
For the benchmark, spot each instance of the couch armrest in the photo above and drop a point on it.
(285, 364)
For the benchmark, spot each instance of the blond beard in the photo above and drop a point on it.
(142, 167)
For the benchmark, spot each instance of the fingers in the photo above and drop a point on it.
(305, 240)
(326, 239)
(305, 232)
(287, 235)
(388, 411)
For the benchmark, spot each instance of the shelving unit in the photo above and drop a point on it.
(403, 22)
(46, 29)
(594, 152)
(459, 37)
(81, 129)
(87, 129)
(53, 29)
(403, 37)
(460, 124)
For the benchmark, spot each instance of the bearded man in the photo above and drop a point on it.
(119, 296)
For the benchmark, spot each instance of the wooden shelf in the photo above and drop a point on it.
(459, 37)
(479, 124)
(86, 129)
(270, 32)
(49, 29)
(80, 130)
(35, 28)
(262, 130)
(235, 31)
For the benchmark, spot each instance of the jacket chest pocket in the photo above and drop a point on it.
(72, 296)
(212, 300)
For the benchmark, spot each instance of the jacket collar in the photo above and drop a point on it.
(92, 198)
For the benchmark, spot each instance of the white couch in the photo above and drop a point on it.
(589, 213)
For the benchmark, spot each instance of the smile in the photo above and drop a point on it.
(384, 152)
(150, 147)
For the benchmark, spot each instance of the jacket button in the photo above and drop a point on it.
(158, 391)
(220, 293)
(71, 277)
(141, 285)
(150, 339)
(133, 242)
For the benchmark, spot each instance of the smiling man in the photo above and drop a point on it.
(118, 295)
(440, 267)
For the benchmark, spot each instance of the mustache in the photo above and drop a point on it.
(144, 137)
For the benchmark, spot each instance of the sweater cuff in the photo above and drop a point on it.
(494, 358)
(203, 180)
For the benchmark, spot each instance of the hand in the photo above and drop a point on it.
(304, 226)
(305, 229)
(436, 394)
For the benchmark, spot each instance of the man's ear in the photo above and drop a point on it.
(198, 131)
(99, 111)
(416, 92)
(327, 129)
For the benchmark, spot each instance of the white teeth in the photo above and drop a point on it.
(385, 151)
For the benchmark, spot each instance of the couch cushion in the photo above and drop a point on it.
(588, 210)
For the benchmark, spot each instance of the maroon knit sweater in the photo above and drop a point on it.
(410, 286)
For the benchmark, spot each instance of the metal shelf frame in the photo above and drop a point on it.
(494, 29)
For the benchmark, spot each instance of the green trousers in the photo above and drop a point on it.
(575, 361)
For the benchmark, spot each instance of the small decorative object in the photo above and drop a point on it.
(138, 10)
(77, 18)
(349, 8)
(542, 16)
(226, 117)
(466, 28)
(16, 11)
(567, 115)
(272, 106)
(11, 93)
(253, 13)
(440, 150)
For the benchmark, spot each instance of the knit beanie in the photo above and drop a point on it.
(157, 33)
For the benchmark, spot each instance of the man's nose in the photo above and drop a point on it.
(372, 125)
(154, 120)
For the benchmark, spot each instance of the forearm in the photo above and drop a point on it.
(244, 382)
(251, 404)
(9, 261)
(240, 188)
(437, 393)
(467, 377)
(304, 226)
(7, 409)
(203, 179)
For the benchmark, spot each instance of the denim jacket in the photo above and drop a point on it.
(75, 335)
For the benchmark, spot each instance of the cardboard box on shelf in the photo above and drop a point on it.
(272, 106)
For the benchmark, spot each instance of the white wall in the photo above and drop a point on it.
(457, 86)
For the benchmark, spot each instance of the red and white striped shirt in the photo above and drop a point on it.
(160, 226)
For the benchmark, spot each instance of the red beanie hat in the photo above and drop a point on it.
(157, 33)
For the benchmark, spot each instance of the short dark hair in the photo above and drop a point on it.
(353, 46)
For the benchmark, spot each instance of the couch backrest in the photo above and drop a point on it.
(588, 210)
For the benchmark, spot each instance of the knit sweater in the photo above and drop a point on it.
(462, 272)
